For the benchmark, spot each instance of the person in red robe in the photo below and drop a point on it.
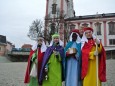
(89, 55)
(35, 62)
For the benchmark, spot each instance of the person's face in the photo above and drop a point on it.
(56, 39)
(88, 34)
(74, 37)
(40, 41)
(81, 31)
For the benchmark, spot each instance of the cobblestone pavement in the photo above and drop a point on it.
(110, 73)
(12, 74)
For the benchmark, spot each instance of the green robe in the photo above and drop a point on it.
(33, 80)
(54, 72)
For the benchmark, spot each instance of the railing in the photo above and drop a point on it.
(18, 53)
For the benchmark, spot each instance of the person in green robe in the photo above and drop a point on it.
(52, 71)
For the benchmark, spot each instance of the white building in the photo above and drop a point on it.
(56, 12)
(104, 27)
(55, 8)
(9, 46)
(60, 14)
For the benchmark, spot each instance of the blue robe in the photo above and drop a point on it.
(73, 66)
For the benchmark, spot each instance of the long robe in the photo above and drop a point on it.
(89, 64)
(55, 67)
(73, 66)
(33, 57)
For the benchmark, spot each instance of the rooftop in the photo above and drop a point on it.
(107, 15)
(3, 43)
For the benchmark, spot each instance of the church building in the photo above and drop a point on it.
(60, 17)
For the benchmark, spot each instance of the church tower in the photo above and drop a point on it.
(56, 12)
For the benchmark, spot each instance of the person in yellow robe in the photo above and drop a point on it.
(89, 55)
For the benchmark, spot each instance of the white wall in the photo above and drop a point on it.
(102, 27)
(9, 47)
(68, 13)
(109, 36)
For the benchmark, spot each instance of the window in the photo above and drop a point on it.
(53, 29)
(54, 8)
(112, 41)
(111, 28)
(72, 26)
(98, 27)
(1, 49)
(85, 25)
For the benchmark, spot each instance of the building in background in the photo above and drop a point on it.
(56, 12)
(60, 17)
(26, 47)
(2, 45)
(5, 46)
(9, 46)
(104, 27)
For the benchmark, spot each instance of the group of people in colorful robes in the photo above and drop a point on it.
(74, 65)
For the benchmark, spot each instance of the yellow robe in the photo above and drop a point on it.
(90, 78)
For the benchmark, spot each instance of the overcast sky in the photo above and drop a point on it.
(17, 15)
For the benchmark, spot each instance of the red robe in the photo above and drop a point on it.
(40, 58)
(102, 61)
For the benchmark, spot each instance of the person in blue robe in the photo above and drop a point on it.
(73, 61)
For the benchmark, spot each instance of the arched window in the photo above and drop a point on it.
(54, 8)
(111, 28)
(72, 26)
(98, 28)
(85, 25)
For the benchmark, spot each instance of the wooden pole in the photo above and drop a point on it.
(96, 55)
(96, 65)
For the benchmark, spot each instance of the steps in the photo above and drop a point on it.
(4, 59)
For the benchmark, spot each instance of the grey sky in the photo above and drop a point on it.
(17, 15)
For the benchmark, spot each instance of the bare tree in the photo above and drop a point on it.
(36, 29)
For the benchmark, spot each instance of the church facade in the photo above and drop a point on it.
(56, 13)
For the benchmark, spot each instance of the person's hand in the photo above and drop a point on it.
(96, 53)
(56, 52)
(97, 41)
